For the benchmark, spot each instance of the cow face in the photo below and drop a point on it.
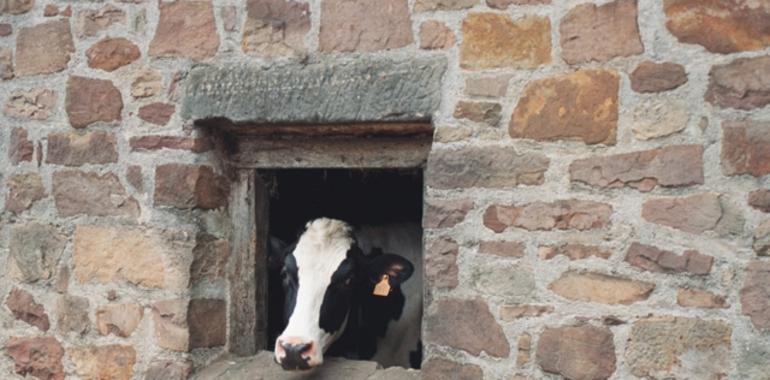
(323, 278)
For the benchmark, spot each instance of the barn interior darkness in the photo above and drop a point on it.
(359, 197)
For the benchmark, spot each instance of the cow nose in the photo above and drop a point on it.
(298, 349)
(296, 354)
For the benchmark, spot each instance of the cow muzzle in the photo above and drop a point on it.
(296, 353)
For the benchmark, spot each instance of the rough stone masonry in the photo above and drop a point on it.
(598, 191)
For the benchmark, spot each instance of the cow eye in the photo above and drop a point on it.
(348, 281)
(288, 277)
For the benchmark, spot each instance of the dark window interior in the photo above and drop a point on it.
(359, 197)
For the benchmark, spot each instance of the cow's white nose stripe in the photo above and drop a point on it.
(318, 254)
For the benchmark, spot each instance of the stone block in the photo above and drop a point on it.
(299, 93)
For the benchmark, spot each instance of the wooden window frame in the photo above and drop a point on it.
(247, 149)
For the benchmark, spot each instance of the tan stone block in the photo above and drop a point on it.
(441, 369)
(659, 117)
(207, 322)
(44, 48)
(600, 288)
(157, 113)
(653, 259)
(16, 7)
(20, 147)
(670, 166)
(657, 77)
(111, 54)
(574, 251)
(146, 258)
(118, 319)
(24, 307)
(479, 166)
(50, 10)
(742, 84)
(35, 104)
(502, 248)
(170, 323)
(75, 149)
(35, 250)
(82, 193)
(562, 215)
(72, 314)
(581, 105)
(512, 282)
(449, 134)
(466, 325)
(39, 357)
(493, 87)
(700, 299)
(480, 112)
(92, 21)
(348, 26)
(115, 362)
(190, 186)
(443, 5)
(577, 352)
(492, 40)
(186, 29)
(146, 83)
(445, 213)
(275, 28)
(600, 33)
(760, 200)
(665, 347)
(23, 191)
(210, 258)
(441, 263)
(693, 213)
(436, 35)
(92, 100)
(510, 313)
(746, 148)
(755, 294)
(720, 26)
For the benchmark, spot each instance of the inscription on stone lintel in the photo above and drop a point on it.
(334, 91)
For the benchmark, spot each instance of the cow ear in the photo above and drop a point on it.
(276, 253)
(397, 268)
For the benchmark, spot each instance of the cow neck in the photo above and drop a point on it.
(367, 322)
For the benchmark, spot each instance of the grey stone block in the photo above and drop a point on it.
(327, 91)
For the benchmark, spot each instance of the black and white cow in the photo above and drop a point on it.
(329, 279)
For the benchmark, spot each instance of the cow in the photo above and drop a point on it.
(355, 295)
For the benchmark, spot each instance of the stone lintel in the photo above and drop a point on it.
(319, 92)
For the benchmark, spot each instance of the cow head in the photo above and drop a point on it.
(324, 273)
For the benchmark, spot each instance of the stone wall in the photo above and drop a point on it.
(598, 187)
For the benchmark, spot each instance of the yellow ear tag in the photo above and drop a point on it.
(382, 288)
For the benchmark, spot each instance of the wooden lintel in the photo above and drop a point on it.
(319, 130)
(313, 153)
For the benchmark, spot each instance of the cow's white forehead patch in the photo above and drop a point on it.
(323, 246)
